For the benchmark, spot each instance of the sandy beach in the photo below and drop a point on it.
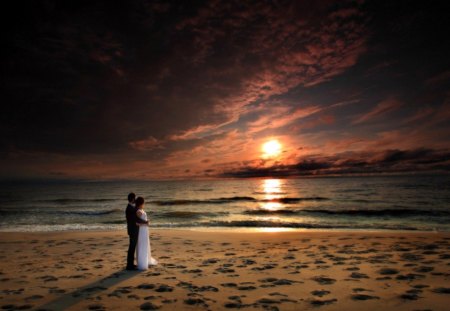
(227, 270)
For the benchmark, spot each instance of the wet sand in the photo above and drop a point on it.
(227, 270)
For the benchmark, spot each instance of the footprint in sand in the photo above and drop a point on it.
(117, 293)
(323, 280)
(265, 300)
(210, 261)
(364, 297)
(96, 307)
(265, 267)
(146, 286)
(17, 307)
(48, 278)
(195, 288)
(56, 290)
(359, 289)
(317, 302)
(441, 290)
(352, 269)
(195, 271)
(248, 262)
(388, 271)
(411, 257)
(149, 306)
(410, 277)
(153, 274)
(320, 293)
(409, 296)
(276, 282)
(357, 275)
(233, 305)
(246, 287)
(34, 297)
(423, 269)
(164, 288)
(225, 270)
(151, 297)
(13, 291)
(195, 302)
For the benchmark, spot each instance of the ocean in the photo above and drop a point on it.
(341, 203)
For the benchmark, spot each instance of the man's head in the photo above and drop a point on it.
(131, 197)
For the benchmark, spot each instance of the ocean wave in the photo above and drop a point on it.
(235, 224)
(187, 214)
(114, 222)
(271, 212)
(225, 200)
(288, 200)
(382, 212)
(350, 190)
(72, 200)
(178, 202)
(362, 201)
(208, 201)
(352, 212)
(91, 213)
(292, 225)
(65, 227)
(59, 212)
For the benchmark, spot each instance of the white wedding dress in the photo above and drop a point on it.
(143, 250)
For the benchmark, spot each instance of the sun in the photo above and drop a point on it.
(271, 149)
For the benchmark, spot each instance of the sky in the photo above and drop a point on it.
(194, 89)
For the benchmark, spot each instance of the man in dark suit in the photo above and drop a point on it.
(133, 230)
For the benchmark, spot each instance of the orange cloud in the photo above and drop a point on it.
(146, 144)
(382, 108)
(279, 117)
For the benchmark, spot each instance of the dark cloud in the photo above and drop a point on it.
(389, 161)
(395, 156)
(180, 85)
(92, 77)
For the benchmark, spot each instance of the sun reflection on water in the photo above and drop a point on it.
(274, 230)
(272, 190)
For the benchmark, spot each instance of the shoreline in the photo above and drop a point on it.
(238, 230)
(84, 270)
(234, 229)
(222, 234)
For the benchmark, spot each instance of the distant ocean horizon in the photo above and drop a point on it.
(407, 202)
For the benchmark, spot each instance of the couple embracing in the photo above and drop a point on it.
(137, 226)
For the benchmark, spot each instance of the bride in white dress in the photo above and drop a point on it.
(143, 250)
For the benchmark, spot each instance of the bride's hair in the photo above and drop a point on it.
(139, 201)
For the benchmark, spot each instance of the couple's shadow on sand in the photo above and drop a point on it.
(82, 293)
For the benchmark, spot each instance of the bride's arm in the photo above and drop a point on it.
(139, 220)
